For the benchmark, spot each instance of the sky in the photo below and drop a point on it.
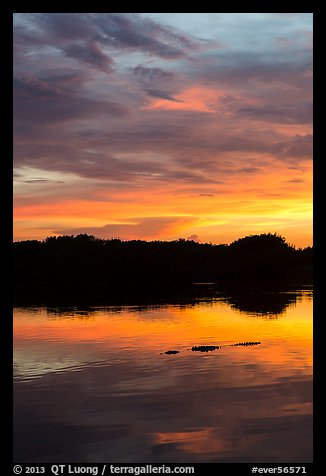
(162, 126)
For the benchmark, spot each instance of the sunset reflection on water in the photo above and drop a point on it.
(99, 378)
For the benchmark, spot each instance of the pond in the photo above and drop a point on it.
(94, 384)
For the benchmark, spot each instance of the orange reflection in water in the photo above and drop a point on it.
(201, 441)
(232, 404)
(286, 339)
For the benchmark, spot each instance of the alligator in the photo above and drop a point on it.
(244, 344)
(208, 348)
(204, 348)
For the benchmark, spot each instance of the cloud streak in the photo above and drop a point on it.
(139, 228)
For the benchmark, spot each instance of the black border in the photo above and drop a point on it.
(6, 236)
(6, 210)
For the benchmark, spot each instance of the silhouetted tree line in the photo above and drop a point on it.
(83, 265)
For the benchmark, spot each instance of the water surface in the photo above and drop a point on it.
(95, 385)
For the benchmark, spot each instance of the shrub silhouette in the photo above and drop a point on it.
(85, 265)
(263, 258)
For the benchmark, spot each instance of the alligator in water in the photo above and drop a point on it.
(244, 344)
(204, 348)
(208, 348)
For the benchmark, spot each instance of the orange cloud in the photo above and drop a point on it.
(194, 98)
(277, 199)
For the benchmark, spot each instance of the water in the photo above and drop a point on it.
(95, 385)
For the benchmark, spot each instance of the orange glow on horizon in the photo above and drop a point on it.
(217, 213)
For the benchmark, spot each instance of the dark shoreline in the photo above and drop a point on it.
(82, 268)
(262, 301)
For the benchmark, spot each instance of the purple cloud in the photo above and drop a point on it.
(130, 32)
(51, 104)
(90, 52)
(301, 146)
(156, 82)
(281, 113)
(70, 117)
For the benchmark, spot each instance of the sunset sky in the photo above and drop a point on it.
(163, 125)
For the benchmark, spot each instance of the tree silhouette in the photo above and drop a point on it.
(84, 265)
